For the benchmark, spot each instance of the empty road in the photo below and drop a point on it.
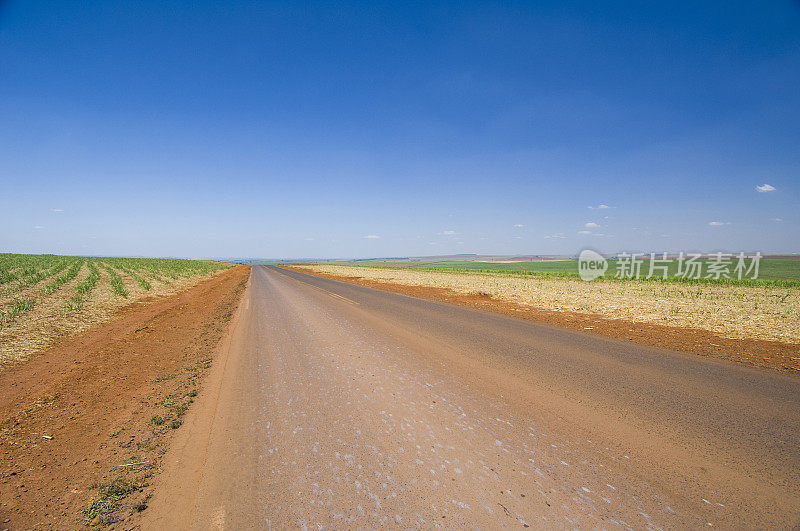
(339, 405)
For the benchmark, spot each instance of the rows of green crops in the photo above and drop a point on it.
(38, 276)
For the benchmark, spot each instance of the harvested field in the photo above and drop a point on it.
(766, 313)
(43, 297)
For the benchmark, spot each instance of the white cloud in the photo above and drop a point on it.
(777, 220)
(718, 223)
(584, 232)
(591, 225)
(766, 188)
(519, 226)
(372, 237)
(449, 232)
(38, 227)
(57, 210)
(556, 236)
(601, 206)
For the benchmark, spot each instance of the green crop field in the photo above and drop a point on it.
(27, 281)
(784, 272)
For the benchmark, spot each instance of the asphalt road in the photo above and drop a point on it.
(340, 405)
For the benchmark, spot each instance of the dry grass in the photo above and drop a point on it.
(51, 316)
(731, 311)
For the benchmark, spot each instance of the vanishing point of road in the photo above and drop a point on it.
(343, 406)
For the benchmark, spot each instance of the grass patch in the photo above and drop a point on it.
(102, 508)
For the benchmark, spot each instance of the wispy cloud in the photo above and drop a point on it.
(57, 210)
(449, 233)
(584, 232)
(556, 236)
(309, 239)
(601, 206)
(718, 223)
(766, 188)
(591, 225)
(38, 227)
(372, 237)
(777, 220)
(519, 226)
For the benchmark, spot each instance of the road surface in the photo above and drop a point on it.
(340, 405)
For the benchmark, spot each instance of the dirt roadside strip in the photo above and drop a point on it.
(83, 424)
(784, 357)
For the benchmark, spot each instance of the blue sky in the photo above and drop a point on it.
(266, 129)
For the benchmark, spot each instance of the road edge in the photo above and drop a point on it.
(183, 464)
